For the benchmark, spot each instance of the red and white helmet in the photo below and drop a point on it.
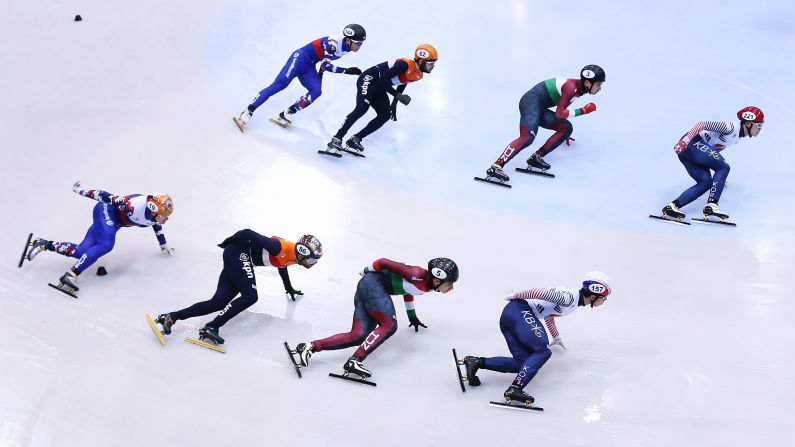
(751, 113)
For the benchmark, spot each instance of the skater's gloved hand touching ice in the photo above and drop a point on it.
(393, 113)
(353, 71)
(167, 250)
(558, 341)
(416, 323)
(569, 140)
(292, 292)
(76, 187)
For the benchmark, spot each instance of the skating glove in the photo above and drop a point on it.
(569, 140)
(353, 71)
(76, 187)
(414, 321)
(293, 293)
(590, 107)
(509, 296)
(166, 249)
(558, 341)
(404, 99)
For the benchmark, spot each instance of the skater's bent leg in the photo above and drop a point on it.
(312, 81)
(99, 240)
(224, 293)
(281, 82)
(363, 94)
(355, 337)
(697, 172)
(501, 364)
(379, 103)
(386, 328)
(526, 137)
(562, 127)
(531, 366)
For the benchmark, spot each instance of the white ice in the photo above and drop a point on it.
(694, 347)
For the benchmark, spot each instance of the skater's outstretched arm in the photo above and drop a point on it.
(288, 287)
(98, 194)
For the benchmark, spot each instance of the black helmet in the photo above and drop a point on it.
(355, 32)
(593, 73)
(444, 269)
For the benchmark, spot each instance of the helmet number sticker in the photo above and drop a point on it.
(597, 288)
(588, 74)
(302, 250)
(749, 116)
(348, 32)
(423, 54)
(439, 273)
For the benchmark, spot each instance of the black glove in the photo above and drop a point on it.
(393, 113)
(414, 321)
(293, 293)
(405, 99)
(353, 71)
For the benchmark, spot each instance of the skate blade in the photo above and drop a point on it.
(493, 182)
(713, 222)
(155, 329)
(458, 371)
(290, 353)
(64, 289)
(330, 153)
(353, 152)
(670, 220)
(351, 379)
(535, 171)
(25, 250)
(240, 124)
(517, 406)
(287, 126)
(206, 345)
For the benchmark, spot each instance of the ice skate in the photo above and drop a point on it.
(537, 161)
(67, 284)
(496, 172)
(304, 351)
(354, 146)
(209, 334)
(673, 211)
(242, 120)
(496, 176)
(37, 246)
(515, 395)
(354, 366)
(69, 281)
(285, 118)
(165, 321)
(472, 364)
(712, 210)
(333, 148)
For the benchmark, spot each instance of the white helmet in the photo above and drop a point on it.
(597, 283)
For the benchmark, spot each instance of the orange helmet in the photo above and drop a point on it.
(426, 52)
(161, 204)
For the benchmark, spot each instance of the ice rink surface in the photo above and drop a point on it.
(693, 348)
